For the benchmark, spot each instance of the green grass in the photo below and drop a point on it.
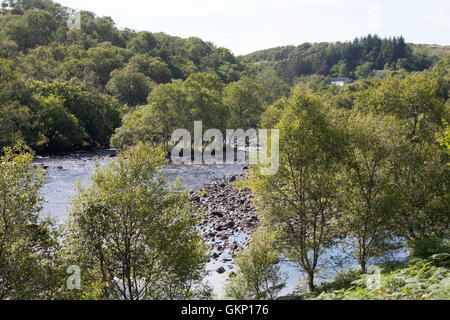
(424, 276)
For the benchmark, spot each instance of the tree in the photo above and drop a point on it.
(170, 108)
(272, 115)
(340, 69)
(102, 29)
(297, 202)
(143, 43)
(102, 61)
(244, 100)
(444, 139)
(129, 87)
(366, 198)
(8, 49)
(198, 98)
(28, 261)
(363, 71)
(204, 94)
(422, 187)
(418, 101)
(15, 118)
(60, 128)
(34, 28)
(274, 87)
(97, 114)
(134, 236)
(153, 67)
(143, 124)
(258, 273)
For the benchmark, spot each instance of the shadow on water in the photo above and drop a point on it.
(65, 171)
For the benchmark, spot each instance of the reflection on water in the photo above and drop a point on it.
(64, 172)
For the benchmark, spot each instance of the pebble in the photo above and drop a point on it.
(228, 212)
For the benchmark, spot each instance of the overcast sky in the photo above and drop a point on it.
(245, 26)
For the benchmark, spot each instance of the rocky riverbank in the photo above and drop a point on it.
(229, 217)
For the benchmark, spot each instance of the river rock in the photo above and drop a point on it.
(228, 213)
(220, 270)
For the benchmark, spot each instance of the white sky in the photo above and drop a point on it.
(245, 26)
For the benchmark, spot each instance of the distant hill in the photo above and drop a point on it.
(65, 88)
(352, 59)
(34, 31)
(433, 49)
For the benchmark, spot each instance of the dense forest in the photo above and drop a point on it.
(66, 89)
(357, 59)
(86, 78)
(364, 166)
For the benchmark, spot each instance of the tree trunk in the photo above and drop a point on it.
(363, 265)
(311, 282)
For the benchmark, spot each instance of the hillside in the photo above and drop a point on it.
(432, 49)
(356, 59)
(35, 33)
(63, 89)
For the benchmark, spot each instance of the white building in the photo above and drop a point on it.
(341, 81)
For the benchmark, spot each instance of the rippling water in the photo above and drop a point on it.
(64, 172)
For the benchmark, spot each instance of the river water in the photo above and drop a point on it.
(63, 173)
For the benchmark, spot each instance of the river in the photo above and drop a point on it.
(63, 173)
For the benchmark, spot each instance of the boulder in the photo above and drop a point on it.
(220, 270)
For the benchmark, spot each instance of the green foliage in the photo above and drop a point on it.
(274, 87)
(153, 67)
(366, 198)
(70, 116)
(423, 279)
(15, 117)
(143, 43)
(421, 178)
(28, 262)
(416, 97)
(143, 124)
(38, 46)
(366, 163)
(383, 172)
(444, 139)
(297, 200)
(133, 235)
(258, 273)
(244, 100)
(34, 27)
(53, 117)
(129, 87)
(60, 128)
(426, 248)
(175, 105)
(272, 115)
(343, 59)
